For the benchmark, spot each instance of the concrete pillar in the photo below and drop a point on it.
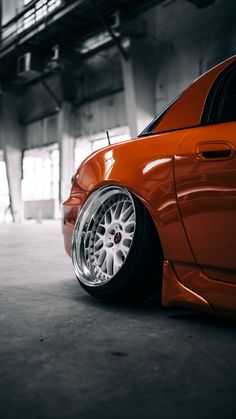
(139, 82)
(66, 149)
(12, 139)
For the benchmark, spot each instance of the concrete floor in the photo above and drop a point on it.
(64, 355)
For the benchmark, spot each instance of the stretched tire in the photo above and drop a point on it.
(116, 251)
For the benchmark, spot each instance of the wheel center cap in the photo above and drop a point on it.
(117, 238)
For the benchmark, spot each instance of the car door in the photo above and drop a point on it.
(205, 177)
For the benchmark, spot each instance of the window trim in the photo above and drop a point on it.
(216, 89)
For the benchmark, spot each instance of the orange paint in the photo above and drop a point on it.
(221, 295)
(187, 110)
(175, 293)
(189, 191)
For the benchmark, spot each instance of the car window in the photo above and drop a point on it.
(223, 99)
(227, 104)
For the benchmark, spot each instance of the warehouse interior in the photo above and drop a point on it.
(71, 70)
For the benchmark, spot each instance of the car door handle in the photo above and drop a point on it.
(214, 151)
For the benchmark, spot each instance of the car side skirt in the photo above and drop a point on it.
(186, 285)
(174, 293)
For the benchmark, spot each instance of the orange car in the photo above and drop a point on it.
(159, 212)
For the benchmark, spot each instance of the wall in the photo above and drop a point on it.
(99, 73)
(36, 102)
(100, 115)
(189, 41)
(41, 133)
(95, 110)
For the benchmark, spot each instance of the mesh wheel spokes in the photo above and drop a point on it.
(104, 236)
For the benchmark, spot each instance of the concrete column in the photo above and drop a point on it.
(12, 139)
(66, 148)
(139, 82)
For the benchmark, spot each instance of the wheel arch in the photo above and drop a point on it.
(148, 174)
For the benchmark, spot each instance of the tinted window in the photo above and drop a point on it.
(222, 106)
(227, 104)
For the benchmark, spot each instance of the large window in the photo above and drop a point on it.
(85, 146)
(39, 10)
(41, 174)
(82, 150)
(15, 23)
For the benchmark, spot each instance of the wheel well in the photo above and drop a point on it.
(155, 230)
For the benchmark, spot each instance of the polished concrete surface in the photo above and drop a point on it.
(65, 355)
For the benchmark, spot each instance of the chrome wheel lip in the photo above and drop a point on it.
(93, 204)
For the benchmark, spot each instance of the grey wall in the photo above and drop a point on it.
(195, 39)
(100, 115)
(40, 133)
(35, 102)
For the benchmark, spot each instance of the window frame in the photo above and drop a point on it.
(216, 95)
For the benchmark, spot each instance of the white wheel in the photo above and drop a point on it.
(103, 235)
(116, 251)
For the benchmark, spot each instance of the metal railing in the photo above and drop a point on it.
(33, 13)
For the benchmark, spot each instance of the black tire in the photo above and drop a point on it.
(141, 273)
